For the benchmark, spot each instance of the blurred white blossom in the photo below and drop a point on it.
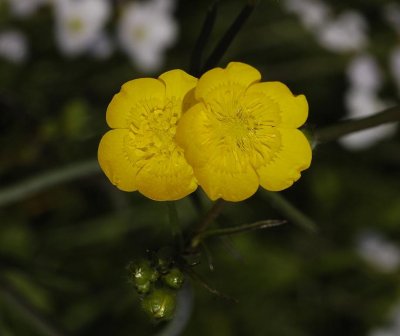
(362, 103)
(348, 32)
(393, 329)
(145, 30)
(312, 13)
(363, 73)
(102, 47)
(362, 100)
(79, 24)
(13, 46)
(378, 252)
(345, 33)
(24, 8)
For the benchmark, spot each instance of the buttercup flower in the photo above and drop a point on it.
(140, 153)
(242, 133)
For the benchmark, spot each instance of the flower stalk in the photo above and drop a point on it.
(334, 132)
(236, 229)
(208, 219)
(202, 40)
(229, 36)
(289, 211)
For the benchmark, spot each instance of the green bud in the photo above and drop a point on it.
(174, 278)
(160, 304)
(142, 275)
(143, 288)
(164, 259)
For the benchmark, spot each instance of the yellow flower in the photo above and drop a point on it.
(243, 133)
(140, 152)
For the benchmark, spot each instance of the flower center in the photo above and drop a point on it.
(246, 126)
(75, 25)
(153, 131)
(140, 33)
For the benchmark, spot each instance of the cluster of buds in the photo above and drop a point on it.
(157, 280)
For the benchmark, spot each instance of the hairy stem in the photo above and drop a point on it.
(240, 229)
(208, 219)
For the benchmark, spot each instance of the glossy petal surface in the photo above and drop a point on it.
(293, 110)
(243, 133)
(166, 177)
(141, 152)
(117, 159)
(226, 84)
(136, 97)
(284, 169)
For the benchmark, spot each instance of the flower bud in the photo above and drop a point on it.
(174, 278)
(143, 275)
(160, 304)
(143, 288)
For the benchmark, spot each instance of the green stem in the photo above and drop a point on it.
(173, 220)
(229, 36)
(33, 185)
(198, 50)
(289, 211)
(239, 229)
(208, 219)
(349, 126)
(26, 310)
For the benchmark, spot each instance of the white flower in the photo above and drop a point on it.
(377, 251)
(346, 33)
(312, 13)
(24, 8)
(13, 46)
(79, 24)
(364, 74)
(362, 100)
(102, 47)
(145, 30)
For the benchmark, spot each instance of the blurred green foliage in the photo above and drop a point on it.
(64, 250)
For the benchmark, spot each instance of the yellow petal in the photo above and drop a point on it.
(138, 96)
(293, 157)
(243, 72)
(227, 178)
(232, 81)
(265, 143)
(166, 178)
(293, 109)
(117, 159)
(195, 135)
(177, 84)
